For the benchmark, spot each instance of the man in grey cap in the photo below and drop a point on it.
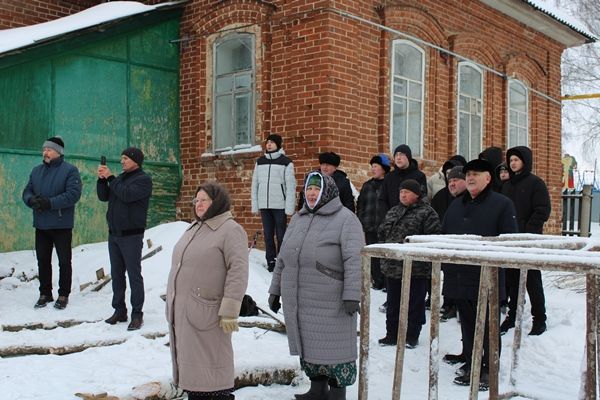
(128, 197)
(53, 189)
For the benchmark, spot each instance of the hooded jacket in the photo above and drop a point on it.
(528, 193)
(493, 155)
(318, 267)
(390, 190)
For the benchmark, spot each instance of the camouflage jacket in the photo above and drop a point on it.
(400, 222)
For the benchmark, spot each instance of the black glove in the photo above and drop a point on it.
(351, 306)
(45, 204)
(34, 203)
(274, 303)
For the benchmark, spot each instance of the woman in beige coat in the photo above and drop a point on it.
(207, 282)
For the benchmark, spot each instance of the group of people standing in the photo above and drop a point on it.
(315, 260)
(53, 189)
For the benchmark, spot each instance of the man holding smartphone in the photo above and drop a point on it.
(53, 189)
(128, 197)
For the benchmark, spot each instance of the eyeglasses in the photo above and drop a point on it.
(197, 200)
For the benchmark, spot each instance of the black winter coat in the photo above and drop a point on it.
(367, 205)
(128, 197)
(489, 214)
(441, 201)
(528, 193)
(400, 222)
(390, 190)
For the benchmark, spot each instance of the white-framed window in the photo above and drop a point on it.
(470, 110)
(233, 92)
(518, 114)
(407, 96)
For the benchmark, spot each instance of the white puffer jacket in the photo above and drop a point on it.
(274, 183)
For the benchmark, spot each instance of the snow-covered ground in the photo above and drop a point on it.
(117, 360)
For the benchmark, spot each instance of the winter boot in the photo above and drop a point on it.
(43, 301)
(447, 313)
(537, 328)
(388, 340)
(118, 316)
(318, 389)
(454, 358)
(61, 303)
(337, 393)
(412, 342)
(507, 324)
(137, 320)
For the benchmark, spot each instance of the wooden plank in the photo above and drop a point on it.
(482, 306)
(494, 333)
(402, 326)
(518, 327)
(434, 331)
(365, 316)
(591, 303)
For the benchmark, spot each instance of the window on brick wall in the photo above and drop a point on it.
(518, 114)
(470, 110)
(407, 93)
(233, 92)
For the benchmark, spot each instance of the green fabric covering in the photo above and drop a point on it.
(343, 374)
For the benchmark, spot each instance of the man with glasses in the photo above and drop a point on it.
(128, 196)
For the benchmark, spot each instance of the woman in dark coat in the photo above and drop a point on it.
(318, 276)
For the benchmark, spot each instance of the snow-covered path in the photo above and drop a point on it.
(550, 364)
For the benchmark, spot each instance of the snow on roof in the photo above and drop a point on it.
(11, 39)
(560, 14)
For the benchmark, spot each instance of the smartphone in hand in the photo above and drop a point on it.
(102, 160)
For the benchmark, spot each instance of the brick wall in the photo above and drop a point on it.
(324, 85)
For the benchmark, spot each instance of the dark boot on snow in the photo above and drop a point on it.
(337, 393)
(319, 389)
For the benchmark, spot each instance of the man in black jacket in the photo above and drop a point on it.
(128, 196)
(532, 202)
(480, 211)
(405, 167)
(366, 211)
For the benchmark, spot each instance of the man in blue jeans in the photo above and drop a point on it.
(274, 194)
(53, 189)
(128, 196)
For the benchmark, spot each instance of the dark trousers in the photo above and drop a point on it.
(45, 240)
(535, 289)
(376, 276)
(274, 223)
(416, 306)
(468, 316)
(125, 256)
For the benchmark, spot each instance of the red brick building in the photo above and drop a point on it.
(357, 77)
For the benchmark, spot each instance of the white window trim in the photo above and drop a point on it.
(509, 144)
(391, 120)
(253, 90)
(474, 66)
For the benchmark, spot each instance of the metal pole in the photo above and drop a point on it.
(365, 315)
(434, 331)
(482, 306)
(403, 322)
(585, 211)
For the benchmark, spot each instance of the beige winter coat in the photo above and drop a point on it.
(208, 279)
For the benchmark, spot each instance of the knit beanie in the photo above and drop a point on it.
(404, 149)
(412, 185)
(329, 157)
(275, 138)
(55, 143)
(456, 173)
(382, 160)
(135, 154)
